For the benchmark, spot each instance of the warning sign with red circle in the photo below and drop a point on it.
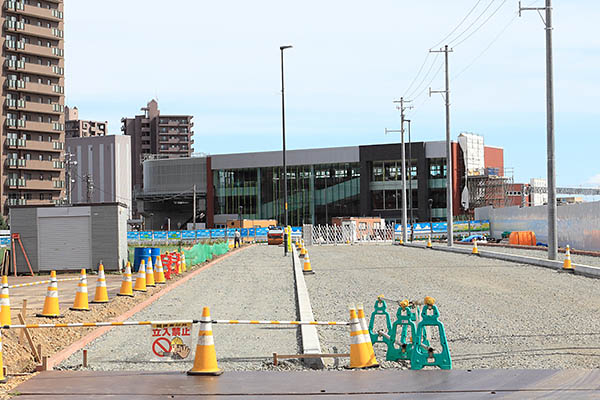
(171, 341)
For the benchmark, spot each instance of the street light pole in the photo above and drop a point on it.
(285, 193)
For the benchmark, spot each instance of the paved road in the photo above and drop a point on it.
(256, 283)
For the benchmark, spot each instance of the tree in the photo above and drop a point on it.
(3, 224)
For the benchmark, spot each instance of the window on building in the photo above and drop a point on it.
(378, 171)
(42, 197)
(377, 199)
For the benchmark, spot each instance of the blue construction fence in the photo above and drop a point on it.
(203, 234)
(438, 228)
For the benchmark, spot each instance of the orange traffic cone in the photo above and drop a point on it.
(159, 273)
(101, 295)
(140, 281)
(429, 245)
(475, 249)
(81, 296)
(2, 377)
(567, 263)
(307, 270)
(183, 264)
(205, 360)
(367, 337)
(303, 252)
(149, 274)
(51, 309)
(126, 288)
(4, 303)
(359, 351)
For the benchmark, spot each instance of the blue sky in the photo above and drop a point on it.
(219, 61)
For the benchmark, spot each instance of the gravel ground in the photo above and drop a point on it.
(575, 258)
(256, 283)
(496, 314)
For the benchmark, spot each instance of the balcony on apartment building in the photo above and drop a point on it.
(19, 7)
(173, 122)
(38, 69)
(35, 184)
(31, 106)
(34, 145)
(37, 165)
(30, 202)
(48, 127)
(34, 87)
(27, 48)
(34, 30)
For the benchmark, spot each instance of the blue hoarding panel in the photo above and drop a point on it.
(160, 235)
(146, 235)
(188, 235)
(203, 233)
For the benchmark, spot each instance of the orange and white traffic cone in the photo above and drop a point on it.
(4, 303)
(307, 270)
(159, 273)
(140, 281)
(429, 245)
(183, 264)
(81, 296)
(303, 252)
(2, 377)
(475, 249)
(205, 360)
(101, 295)
(126, 287)
(51, 309)
(149, 274)
(567, 263)
(367, 336)
(359, 352)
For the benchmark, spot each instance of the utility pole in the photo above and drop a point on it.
(285, 191)
(69, 164)
(402, 108)
(446, 95)
(194, 211)
(551, 165)
(89, 183)
(410, 202)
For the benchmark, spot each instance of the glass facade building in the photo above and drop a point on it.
(315, 192)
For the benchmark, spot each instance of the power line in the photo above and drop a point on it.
(425, 77)
(457, 26)
(482, 24)
(418, 73)
(472, 23)
(487, 47)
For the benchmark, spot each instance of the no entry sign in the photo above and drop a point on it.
(171, 341)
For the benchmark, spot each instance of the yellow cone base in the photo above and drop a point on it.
(215, 373)
(311, 272)
(153, 285)
(139, 290)
(567, 266)
(79, 309)
(99, 301)
(125, 294)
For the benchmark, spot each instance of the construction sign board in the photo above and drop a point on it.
(171, 341)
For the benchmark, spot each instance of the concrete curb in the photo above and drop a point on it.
(310, 337)
(77, 345)
(580, 269)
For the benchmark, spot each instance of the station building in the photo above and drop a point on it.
(323, 183)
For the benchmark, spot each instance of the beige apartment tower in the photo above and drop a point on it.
(33, 103)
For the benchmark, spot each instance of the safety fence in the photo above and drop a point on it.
(145, 237)
(201, 252)
(346, 234)
(423, 230)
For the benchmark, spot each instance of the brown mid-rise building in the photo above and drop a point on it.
(154, 135)
(75, 127)
(33, 103)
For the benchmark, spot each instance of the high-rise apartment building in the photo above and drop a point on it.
(33, 103)
(156, 135)
(75, 127)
